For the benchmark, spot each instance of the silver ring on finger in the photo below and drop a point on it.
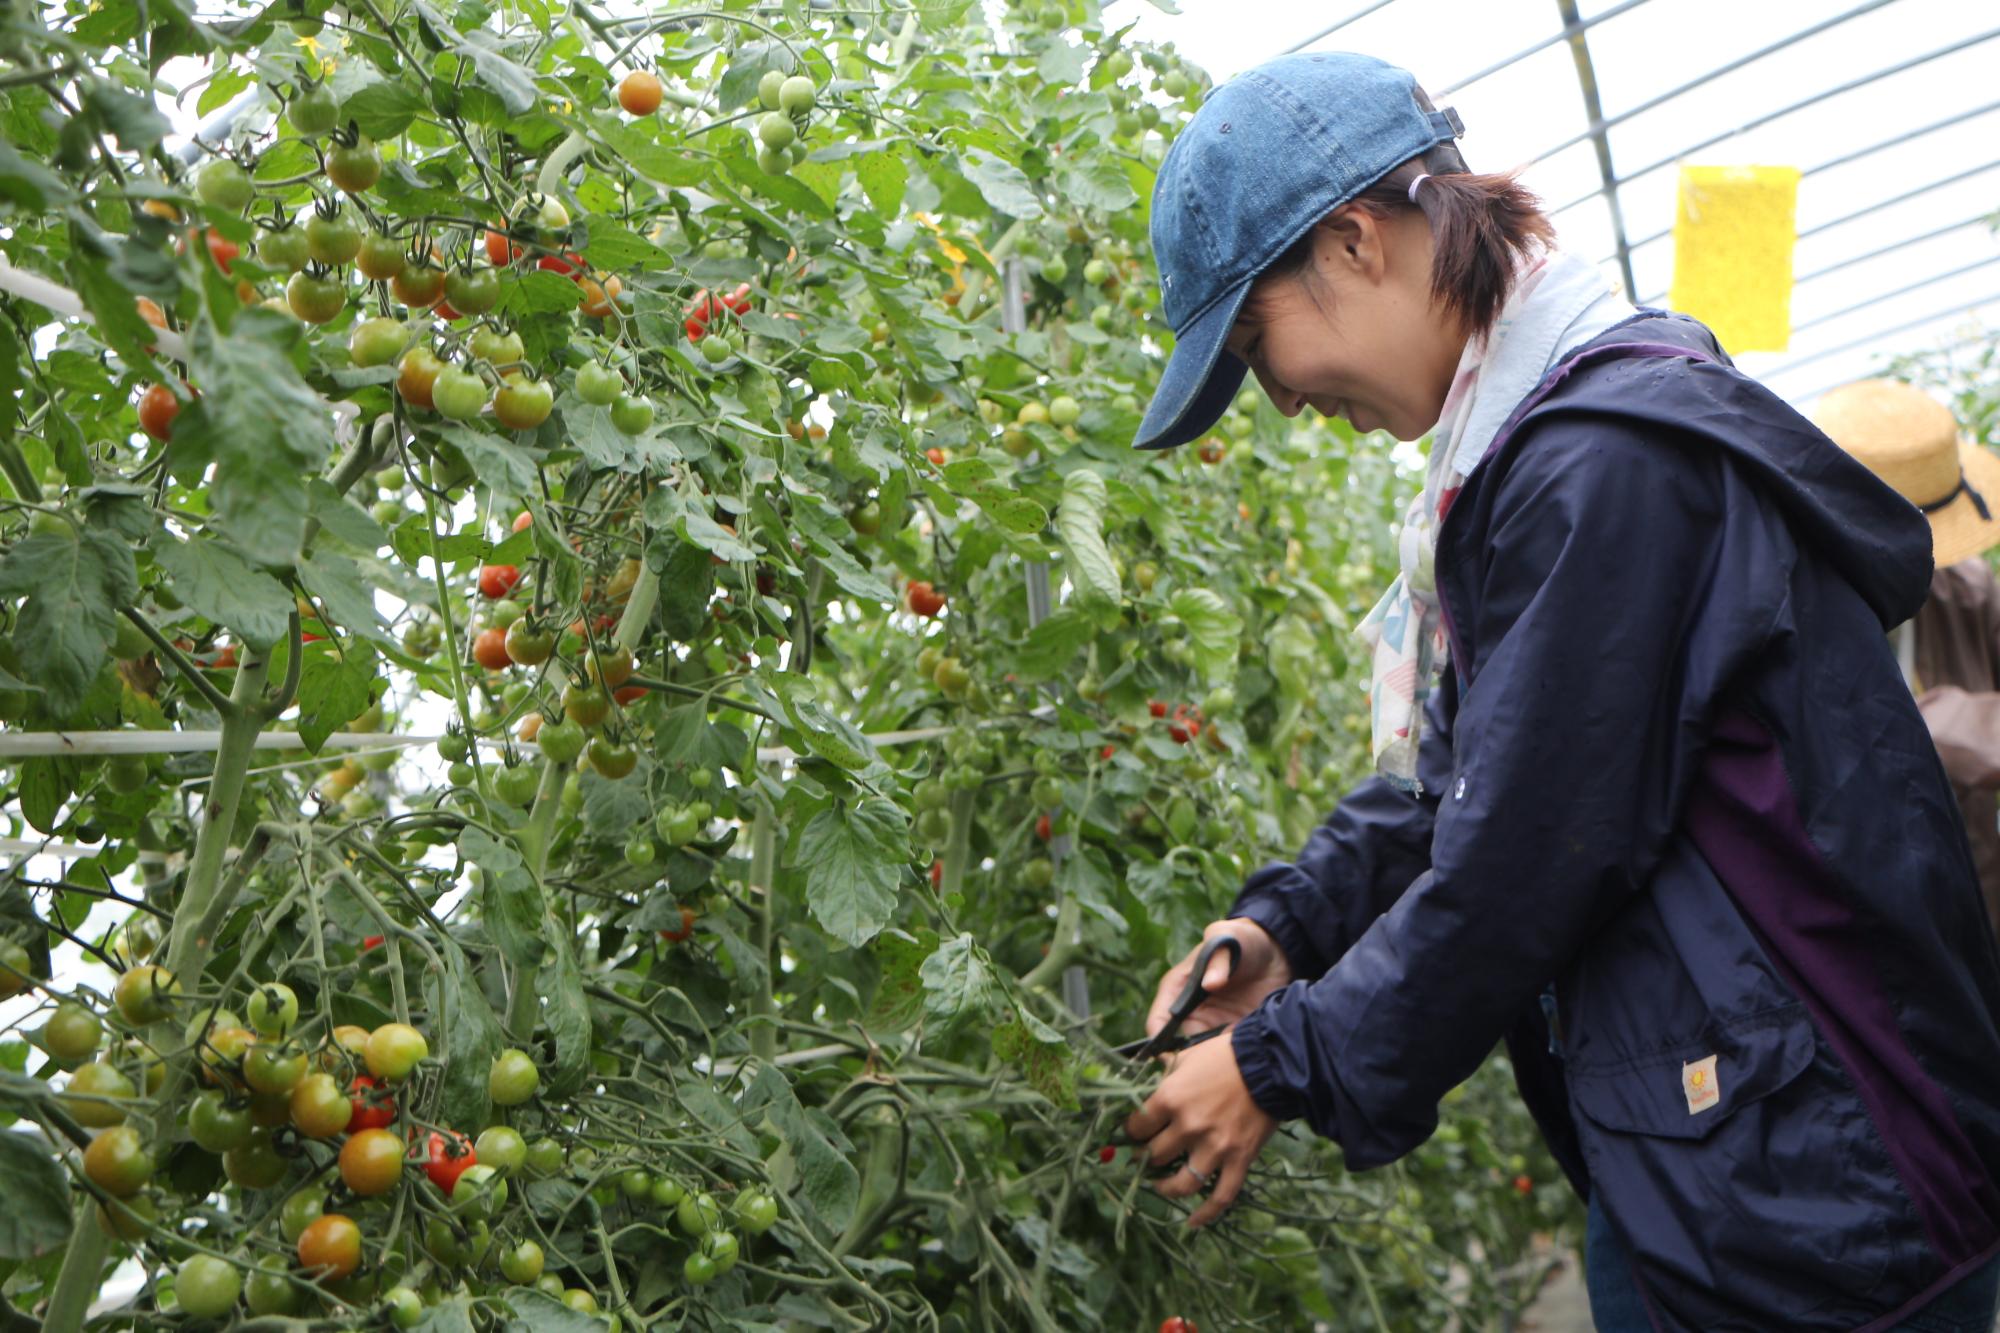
(1205, 1181)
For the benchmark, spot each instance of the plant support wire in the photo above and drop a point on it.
(1780, 113)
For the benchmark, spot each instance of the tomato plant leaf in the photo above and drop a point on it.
(510, 903)
(1004, 185)
(348, 594)
(826, 734)
(224, 587)
(265, 429)
(1212, 628)
(1080, 521)
(566, 1015)
(43, 790)
(959, 983)
(884, 178)
(538, 1312)
(470, 1033)
(36, 1220)
(1098, 183)
(854, 858)
(899, 989)
(334, 688)
(384, 109)
(73, 584)
(1052, 645)
(1049, 1067)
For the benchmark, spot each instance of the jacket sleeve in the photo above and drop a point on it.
(1370, 849)
(1620, 583)
(1966, 728)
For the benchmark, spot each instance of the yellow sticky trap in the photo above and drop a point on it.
(1733, 236)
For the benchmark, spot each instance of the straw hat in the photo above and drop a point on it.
(1908, 439)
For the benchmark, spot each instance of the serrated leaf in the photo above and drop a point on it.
(267, 432)
(1048, 1067)
(36, 1220)
(884, 179)
(348, 594)
(831, 738)
(334, 689)
(899, 994)
(1213, 630)
(539, 293)
(614, 247)
(566, 1016)
(1015, 513)
(467, 1029)
(1062, 62)
(383, 110)
(1080, 523)
(222, 586)
(510, 903)
(538, 1312)
(73, 585)
(853, 859)
(1002, 184)
(1099, 183)
(959, 983)
(1053, 644)
(341, 517)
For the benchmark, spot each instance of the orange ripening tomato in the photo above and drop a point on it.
(600, 300)
(157, 409)
(149, 310)
(640, 93)
(500, 252)
(922, 599)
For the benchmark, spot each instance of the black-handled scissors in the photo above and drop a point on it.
(1168, 1038)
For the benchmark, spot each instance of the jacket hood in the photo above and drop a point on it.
(1878, 540)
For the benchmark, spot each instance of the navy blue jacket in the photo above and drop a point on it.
(1673, 779)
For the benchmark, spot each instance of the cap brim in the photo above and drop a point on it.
(1200, 379)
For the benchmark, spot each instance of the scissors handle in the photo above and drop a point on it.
(1191, 998)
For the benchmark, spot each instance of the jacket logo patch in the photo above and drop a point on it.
(1703, 1089)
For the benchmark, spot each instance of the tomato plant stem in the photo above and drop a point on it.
(763, 865)
(188, 952)
(81, 1266)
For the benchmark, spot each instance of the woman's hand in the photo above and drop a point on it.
(1203, 1111)
(1231, 994)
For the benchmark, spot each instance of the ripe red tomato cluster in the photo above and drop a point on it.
(922, 599)
(496, 581)
(704, 307)
(1186, 724)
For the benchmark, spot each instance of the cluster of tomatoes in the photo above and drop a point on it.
(1186, 723)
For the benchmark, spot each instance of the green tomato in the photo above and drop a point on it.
(315, 111)
(285, 250)
(459, 394)
(406, 1308)
(472, 292)
(721, 1247)
(376, 342)
(545, 1157)
(216, 1126)
(666, 1192)
(500, 1147)
(635, 1184)
(770, 89)
(505, 612)
(600, 386)
(517, 785)
(699, 1269)
(302, 1208)
(797, 95)
(207, 1287)
(775, 130)
(634, 416)
(521, 1264)
(756, 1211)
(1065, 410)
(332, 240)
(513, 1079)
(773, 161)
(497, 348)
(223, 184)
(698, 1214)
(72, 1034)
(480, 1191)
(715, 349)
(315, 300)
(274, 1009)
(640, 850)
(561, 740)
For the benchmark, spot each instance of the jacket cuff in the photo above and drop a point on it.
(1268, 911)
(1256, 1059)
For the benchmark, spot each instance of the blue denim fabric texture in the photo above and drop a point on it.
(1268, 154)
(1969, 1306)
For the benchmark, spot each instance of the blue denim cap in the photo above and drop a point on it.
(1269, 153)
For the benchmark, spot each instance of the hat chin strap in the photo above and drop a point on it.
(1978, 500)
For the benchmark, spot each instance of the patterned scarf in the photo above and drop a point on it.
(1557, 303)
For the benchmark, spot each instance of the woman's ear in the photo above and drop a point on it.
(1351, 243)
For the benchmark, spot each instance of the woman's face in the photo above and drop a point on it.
(1358, 336)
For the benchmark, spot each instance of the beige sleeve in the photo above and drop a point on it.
(1966, 729)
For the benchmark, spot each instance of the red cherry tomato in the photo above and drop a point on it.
(1157, 708)
(1177, 1324)
(1106, 1153)
(1043, 829)
(1180, 734)
(500, 252)
(372, 942)
(157, 409)
(376, 1111)
(523, 521)
(445, 1160)
(937, 873)
(686, 927)
(567, 264)
(923, 599)
(1107, 752)
(496, 581)
(489, 649)
(1524, 1185)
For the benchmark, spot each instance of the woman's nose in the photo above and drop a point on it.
(1285, 400)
